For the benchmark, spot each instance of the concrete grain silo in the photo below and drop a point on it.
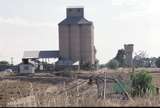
(76, 37)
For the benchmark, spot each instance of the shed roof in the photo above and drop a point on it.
(67, 62)
(40, 54)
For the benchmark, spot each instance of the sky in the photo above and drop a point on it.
(33, 25)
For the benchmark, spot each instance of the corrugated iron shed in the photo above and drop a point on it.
(40, 54)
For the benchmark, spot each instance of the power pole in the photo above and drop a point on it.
(12, 61)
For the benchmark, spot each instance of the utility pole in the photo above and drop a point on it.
(12, 61)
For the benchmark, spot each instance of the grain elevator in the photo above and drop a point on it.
(76, 37)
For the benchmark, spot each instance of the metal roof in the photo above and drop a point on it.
(75, 20)
(67, 62)
(40, 54)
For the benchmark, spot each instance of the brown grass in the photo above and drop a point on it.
(27, 93)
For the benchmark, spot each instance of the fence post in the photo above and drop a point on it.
(66, 95)
(77, 94)
(104, 90)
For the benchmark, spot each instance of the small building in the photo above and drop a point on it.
(40, 59)
(26, 67)
(66, 64)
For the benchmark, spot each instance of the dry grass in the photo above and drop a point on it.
(44, 97)
(26, 93)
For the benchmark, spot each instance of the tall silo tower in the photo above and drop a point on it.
(129, 53)
(76, 37)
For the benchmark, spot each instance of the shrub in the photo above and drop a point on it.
(141, 84)
(6, 63)
(113, 64)
(120, 57)
(68, 73)
(86, 66)
(102, 66)
(97, 65)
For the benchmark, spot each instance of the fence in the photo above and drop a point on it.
(104, 89)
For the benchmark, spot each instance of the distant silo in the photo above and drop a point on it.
(76, 37)
(129, 53)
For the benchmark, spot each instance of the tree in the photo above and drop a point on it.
(158, 62)
(4, 63)
(120, 57)
(141, 59)
(97, 65)
(153, 61)
(113, 64)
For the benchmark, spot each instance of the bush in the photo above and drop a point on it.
(120, 57)
(158, 62)
(68, 73)
(6, 63)
(141, 84)
(86, 66)
(113, 64)
(102, 66)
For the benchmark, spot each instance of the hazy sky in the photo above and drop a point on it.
(32, 25)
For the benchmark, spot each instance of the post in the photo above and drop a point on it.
(78, 68)
(77, 94)
(104, 90)
(5, 94)
(12, 61)
(98, 91)
(66, 94)
(157, 90)
(77, 89)
(132, 66)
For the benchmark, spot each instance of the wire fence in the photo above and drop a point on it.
(99, 86)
